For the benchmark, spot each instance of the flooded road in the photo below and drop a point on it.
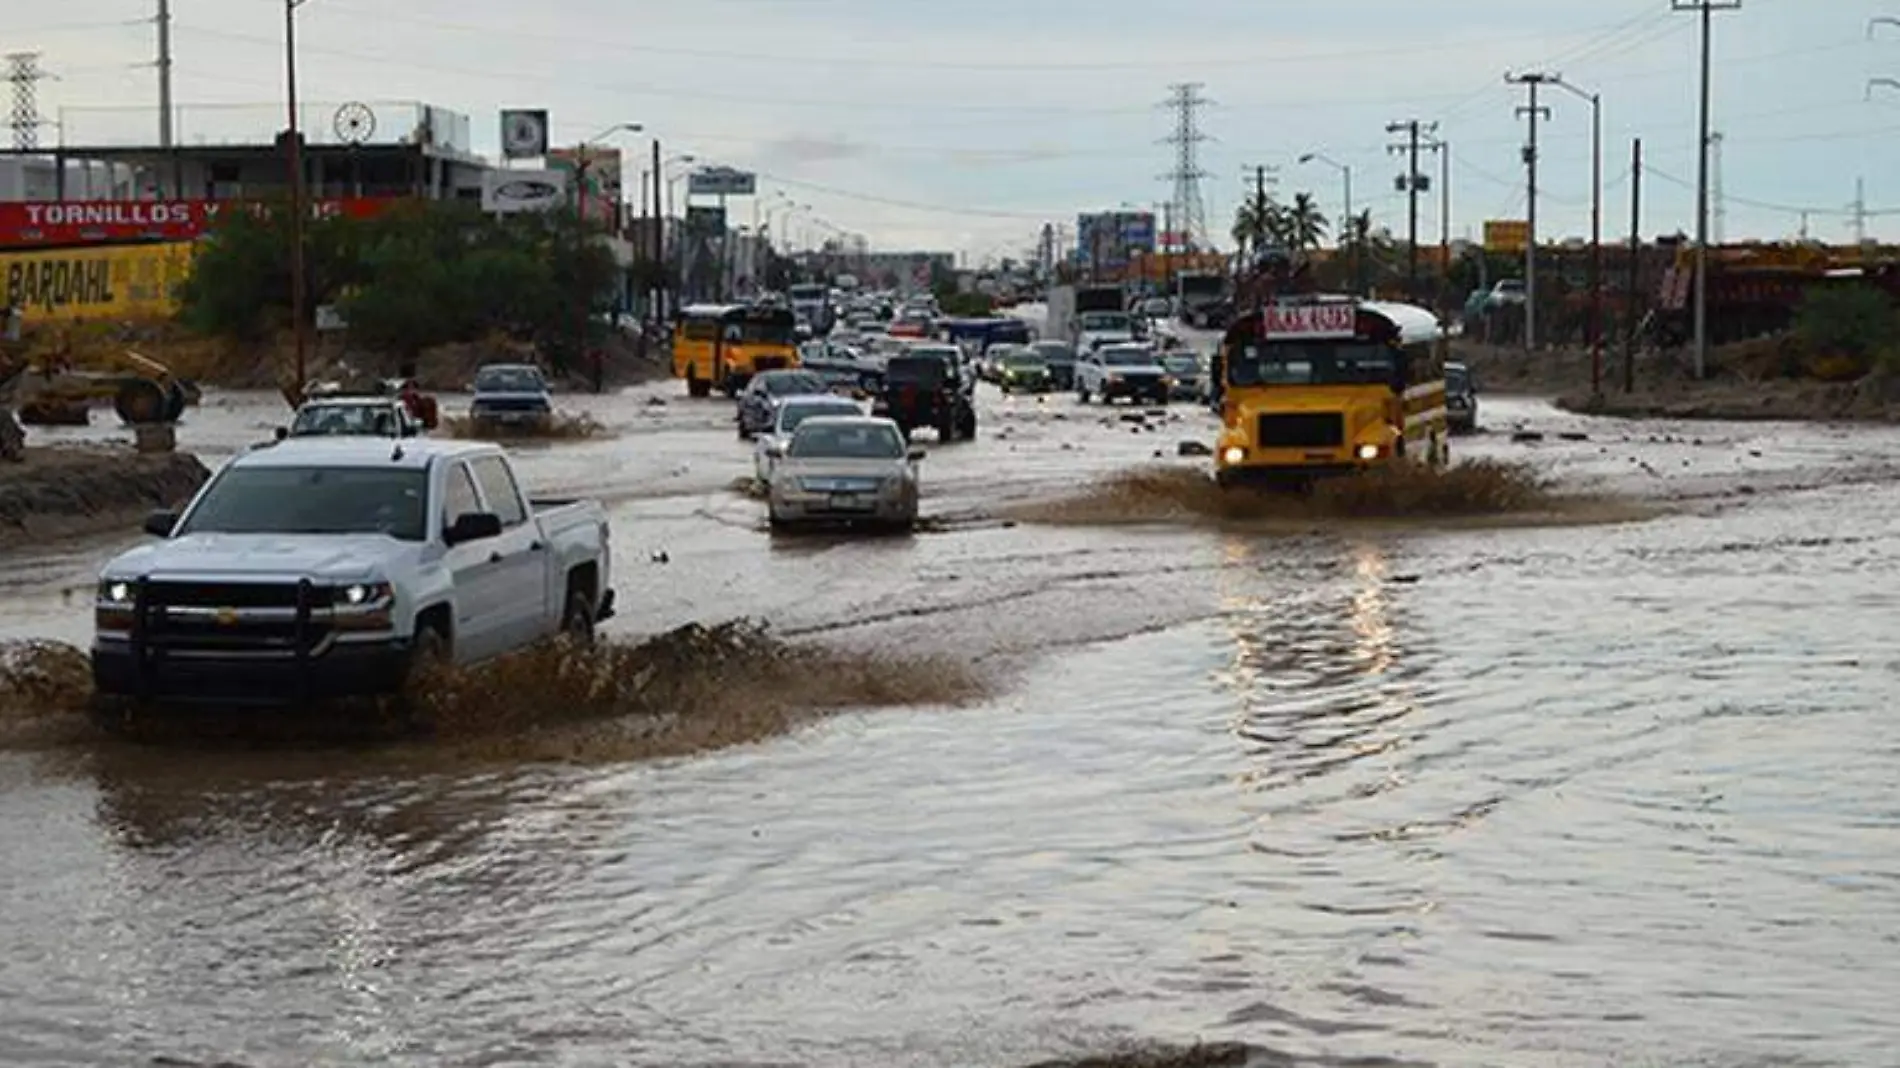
(1554, 796)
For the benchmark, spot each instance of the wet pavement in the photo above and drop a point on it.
(1557, 796)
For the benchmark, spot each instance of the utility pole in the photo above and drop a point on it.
(1636, 265)
(1707, 9)
(1263, 176)
(1595, 100)
(23, 71)
(1857, 212)
(164, 74)
(1186, 101)
(1533, 112)
(293, 149)
(1412, 183)
(1443, 148)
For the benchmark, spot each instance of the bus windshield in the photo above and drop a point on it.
(767, 332)
(1330, 363)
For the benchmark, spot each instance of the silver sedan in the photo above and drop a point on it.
(845, 469)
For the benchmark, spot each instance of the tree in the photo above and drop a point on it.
(1304, 223)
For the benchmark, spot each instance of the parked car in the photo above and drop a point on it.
(1461, 399)
(511, 396)
(758, 404)
(793, 411)
(1189, 375)
(855, 469)
(334, 567)
(1023, 371)
(1127, 372)
(342, 416)
(1059, 358)
(928, 386)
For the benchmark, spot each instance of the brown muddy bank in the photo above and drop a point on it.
(1747, 382)
(690, 690)
(1465, 493)
(565, 426)
(66, 492)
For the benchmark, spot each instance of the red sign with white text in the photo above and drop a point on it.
(45, 223)
(1310, 320)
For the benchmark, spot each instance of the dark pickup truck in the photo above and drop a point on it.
(928, 386)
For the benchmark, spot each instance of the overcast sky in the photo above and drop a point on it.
(967, 124)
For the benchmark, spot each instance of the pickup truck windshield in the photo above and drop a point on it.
(1129, 358)
(313, 500)
(858, 442)
(1106, 322)
(509, 380)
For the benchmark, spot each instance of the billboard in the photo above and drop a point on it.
(124, 282)
(524, 133)
(1110, 239)
(1506, 235)
(721, 182)
(47, 223)
(702, 251)
(600, 177)
(506, 192)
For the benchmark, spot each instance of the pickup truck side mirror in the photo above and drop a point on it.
(775, 450)
(472, 526)
(281, 433)
(915, 454)
(161, 524)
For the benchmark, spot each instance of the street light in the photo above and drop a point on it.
(1596, 229)
(1347, 219)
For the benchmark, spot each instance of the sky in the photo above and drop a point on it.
(968, 125)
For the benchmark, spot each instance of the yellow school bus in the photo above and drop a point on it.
(1318, 384)
(723, 345)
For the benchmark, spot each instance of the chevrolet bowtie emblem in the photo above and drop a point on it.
(227, 616)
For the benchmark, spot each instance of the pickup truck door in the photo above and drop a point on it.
(520, 554)
(480, 593)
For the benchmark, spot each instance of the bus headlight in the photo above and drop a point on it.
(1234, 454)
(1368, 452)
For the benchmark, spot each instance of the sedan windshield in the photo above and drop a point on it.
(793, 414)
(1056, 351)
(344, 419)
(789, 385)
(313, 500)
(509, 380)
(1128, 358)
(1182, 365)
(1023, 361)
(852, 441)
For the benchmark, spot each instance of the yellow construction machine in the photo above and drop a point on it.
(140, 389)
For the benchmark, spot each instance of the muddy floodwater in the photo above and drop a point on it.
(1597, 794)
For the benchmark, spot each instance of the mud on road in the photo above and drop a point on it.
(1435, 794)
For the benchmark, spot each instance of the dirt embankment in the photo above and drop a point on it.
(271, 363)
(1748, 381)
(64, 492)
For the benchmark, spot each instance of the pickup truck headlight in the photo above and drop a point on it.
(362, 594)
(115, 593)
(364, 606)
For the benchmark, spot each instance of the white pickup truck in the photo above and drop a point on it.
(322, 568)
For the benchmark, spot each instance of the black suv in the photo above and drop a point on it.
(928, 387)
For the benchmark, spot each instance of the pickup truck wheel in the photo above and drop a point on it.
(429, 656)
(577, 622)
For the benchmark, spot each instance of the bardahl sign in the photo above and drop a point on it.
(48, 223)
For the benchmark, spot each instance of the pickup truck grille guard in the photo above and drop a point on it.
(150, 649)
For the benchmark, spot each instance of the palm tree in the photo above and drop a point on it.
(1304, 222)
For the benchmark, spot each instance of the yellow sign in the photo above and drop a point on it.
(1506, 235)
(113, 282)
